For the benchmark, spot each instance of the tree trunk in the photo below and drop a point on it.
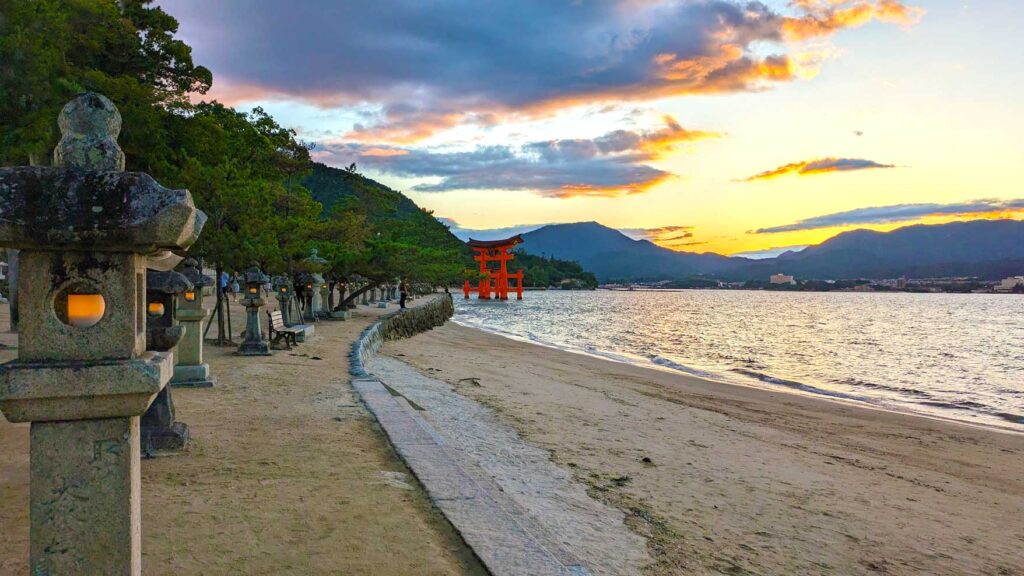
(352, 297)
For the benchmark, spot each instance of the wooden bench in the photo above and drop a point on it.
(279, 331)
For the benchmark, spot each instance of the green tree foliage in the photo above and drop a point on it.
(540, 271)
(51, 50)
(399, 239)
(247, 172)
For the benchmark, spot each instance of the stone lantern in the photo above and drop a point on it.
(160, 432)
(316, 284)
(325, 298)
(252, 298)
(342, 312)
(308, 283)
(83, 376)
(190, 371)
(283, 293)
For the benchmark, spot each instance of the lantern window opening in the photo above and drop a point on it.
(155, 309)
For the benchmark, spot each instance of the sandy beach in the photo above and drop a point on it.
(286, 473)
(736, 480)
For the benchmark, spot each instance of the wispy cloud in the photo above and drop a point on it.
(773, 252)
(614, 164)
(825, 17)
(903, 213)
(672, 237)
(463, 233)
(821, 166)
(426, 67)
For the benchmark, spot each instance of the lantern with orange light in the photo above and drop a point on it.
(189, 370)
(253, 344)
(160, 431)
(283, 293)
(83, 376)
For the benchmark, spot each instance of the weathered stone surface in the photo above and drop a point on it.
(54, 208)
(190, 371)
(44, 280)
(85, 497)
(72, 390)
(253, 344)
(89, 125)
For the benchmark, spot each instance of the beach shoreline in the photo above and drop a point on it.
(781, 386)
(744, 479)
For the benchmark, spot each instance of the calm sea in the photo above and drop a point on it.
(953, 355)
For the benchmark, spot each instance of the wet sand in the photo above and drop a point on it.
(286, 474)
(736, 480)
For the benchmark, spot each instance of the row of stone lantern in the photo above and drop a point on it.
(105, 328)
(88, 368)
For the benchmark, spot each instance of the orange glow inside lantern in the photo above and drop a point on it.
(309, 285)
(85, 310)
(190, 296)
(253, 289)
(284, 288)
(324, 286)
(155, 309)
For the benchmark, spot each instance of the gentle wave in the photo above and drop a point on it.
(954, 356)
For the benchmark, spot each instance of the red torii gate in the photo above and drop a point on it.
(495, 281)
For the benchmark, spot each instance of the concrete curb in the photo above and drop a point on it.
(502, 536)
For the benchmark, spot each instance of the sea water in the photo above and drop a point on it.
(957, 356)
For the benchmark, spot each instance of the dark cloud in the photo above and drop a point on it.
(822, 166)
(426, 66)
(900, 213)
(610, 165)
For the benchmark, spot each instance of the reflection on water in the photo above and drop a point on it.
(954, 355)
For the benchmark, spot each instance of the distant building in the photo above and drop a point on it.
(781, 278)
(1008, 284)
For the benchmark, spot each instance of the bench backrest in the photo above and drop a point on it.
(276, 320)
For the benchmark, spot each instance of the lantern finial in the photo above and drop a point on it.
(89, 125)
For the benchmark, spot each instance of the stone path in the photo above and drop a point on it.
(519, 512)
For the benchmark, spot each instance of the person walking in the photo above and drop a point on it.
(235, 288)
(403, 293)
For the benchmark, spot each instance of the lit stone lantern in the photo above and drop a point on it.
(283, 293)
(252, 298)
(308, 283)
(342, 312)
(325, 298)
(83, 376)
(190, 371)
(160, 431)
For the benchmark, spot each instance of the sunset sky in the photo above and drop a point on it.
(707, 125)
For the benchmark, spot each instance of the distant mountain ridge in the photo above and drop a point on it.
(985, 248)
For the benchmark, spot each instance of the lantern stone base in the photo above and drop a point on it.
(341, 315)
(159, 430)
(306, 331)
(85, 497)
(157, 441)
(195, 376)
(254, 348)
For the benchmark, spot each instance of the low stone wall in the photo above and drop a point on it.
(400, 324)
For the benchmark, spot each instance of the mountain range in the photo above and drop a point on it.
(985, 248)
